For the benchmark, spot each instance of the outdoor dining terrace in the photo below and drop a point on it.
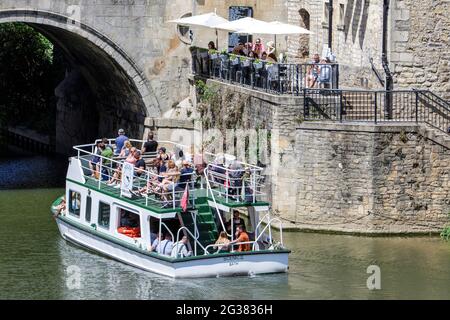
(264, 75)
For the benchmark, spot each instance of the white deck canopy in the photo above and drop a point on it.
(208, 20)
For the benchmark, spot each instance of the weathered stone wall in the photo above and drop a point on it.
(342, 177)
(420, 44)
(377, 179)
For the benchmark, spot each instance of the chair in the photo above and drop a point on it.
(272, 75)
(224, 67)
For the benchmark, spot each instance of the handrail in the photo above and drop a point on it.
(205, 172)
(377, 73)
(261, 221)
(269, 225)
(379, 106)
(193, 237)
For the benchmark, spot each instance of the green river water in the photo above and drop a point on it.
(35, 261)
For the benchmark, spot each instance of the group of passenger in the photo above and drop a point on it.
(164, 245)
(316, 73)
(241, 237)
(168, 171)
(251, 50)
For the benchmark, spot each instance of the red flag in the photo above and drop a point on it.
(185, 198)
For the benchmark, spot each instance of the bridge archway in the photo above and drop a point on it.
(103, 89)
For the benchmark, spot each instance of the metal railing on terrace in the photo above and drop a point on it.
(263, 75)
(378, 106)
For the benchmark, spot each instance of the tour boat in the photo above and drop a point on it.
(122, 220)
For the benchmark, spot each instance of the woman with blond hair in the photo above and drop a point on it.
(222, 242)
(170, 178)
(126, 149)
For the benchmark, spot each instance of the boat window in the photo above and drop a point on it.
(87, 216)
(104, 212)
(74, 203)
(129, 223)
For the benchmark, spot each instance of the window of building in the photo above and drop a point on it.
(184, 32)
(236, 13)
(326, 13)
(341, 25)
(104, 213)
(74, 203)
(87, 216)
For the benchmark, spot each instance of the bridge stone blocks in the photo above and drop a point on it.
(142, 50)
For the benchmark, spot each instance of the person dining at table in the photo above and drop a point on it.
(258, 48)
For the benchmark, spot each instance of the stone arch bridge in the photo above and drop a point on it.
(125, 64)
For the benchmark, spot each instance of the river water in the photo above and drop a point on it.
(36, 263)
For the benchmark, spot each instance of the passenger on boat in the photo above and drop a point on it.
(241, 236)
(116, 178)
(237, 221)
(185, 177)
(235, 175)
(96, 159)
(156, 242)
(120, 141)
(60, 207)
(126, 149)
(165, 246)
(107, 154)
(170, 178)
(218, 170)
(140, 164)
(222, 242)
(150, 145)
(180, 249)
(161, 158)
(131, 158)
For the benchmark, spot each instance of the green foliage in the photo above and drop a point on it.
(205, 92)
(445, 234)
(28, 78)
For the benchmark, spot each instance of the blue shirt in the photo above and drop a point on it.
(185, 176)
(120, 141)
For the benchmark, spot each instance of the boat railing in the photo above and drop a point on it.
(193, 237)
(258, 236)
(147, 183)
(215, 203)
(241, 184)
(269, 226)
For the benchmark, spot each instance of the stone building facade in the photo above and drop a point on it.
(420, 45)
(418, 40)
(340, 177)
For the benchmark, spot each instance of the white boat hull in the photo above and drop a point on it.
(207, 266)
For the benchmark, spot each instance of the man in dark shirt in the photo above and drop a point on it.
(150, 145)
(237, 221)
(140, 163)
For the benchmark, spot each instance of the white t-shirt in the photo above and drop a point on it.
(179, 252)
(165, 247)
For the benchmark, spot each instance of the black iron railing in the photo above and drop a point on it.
(262, 75)
(377, 106)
